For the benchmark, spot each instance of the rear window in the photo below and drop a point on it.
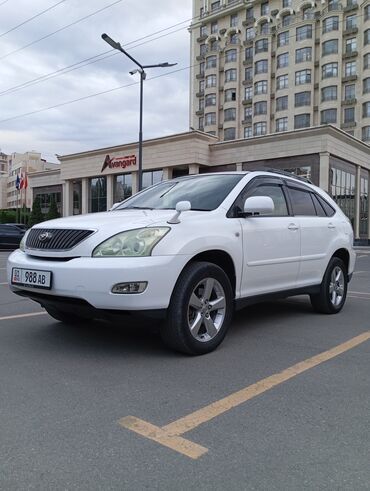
(329, 210)
(302, 202)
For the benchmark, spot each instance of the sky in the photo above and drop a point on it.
(151, 31)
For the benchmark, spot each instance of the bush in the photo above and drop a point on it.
(53, 210)
(36, 213)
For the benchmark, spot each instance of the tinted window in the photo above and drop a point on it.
(276, 194)
(203, 192)
(329, 210)
(302, 202)
(319, 209)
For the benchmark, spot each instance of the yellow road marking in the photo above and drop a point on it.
(169, 434)
(19, 316)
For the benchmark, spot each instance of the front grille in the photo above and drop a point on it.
(60, 240)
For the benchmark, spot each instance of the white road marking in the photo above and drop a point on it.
(19, 316)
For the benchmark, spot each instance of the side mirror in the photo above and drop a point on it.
(180, 207)
(258, 205)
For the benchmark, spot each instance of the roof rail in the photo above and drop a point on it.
(282, 172)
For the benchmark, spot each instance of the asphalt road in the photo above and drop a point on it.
(64, 391)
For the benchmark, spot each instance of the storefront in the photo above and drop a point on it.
(337, 162)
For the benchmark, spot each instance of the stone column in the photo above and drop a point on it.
(68, 198)
(239, 167)
(357, 202)
(135, 182)
(167, 173)
(193, 168)
(110, 194)
(324, 171)
(368, 206)
(85, 195)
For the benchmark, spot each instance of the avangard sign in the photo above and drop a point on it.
(118, 162)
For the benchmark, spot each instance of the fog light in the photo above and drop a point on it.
(128, 288)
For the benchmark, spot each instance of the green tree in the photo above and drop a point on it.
(36, 213)
(53, 210)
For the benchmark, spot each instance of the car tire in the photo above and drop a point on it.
(200, 310)
(333, 288)
(65, 317)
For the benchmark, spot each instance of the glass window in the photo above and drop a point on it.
(282, 103)
(203, 49)
(329, 93)
(282, 82)
(303, 32)
(301, 121)
(260, 108)
(366, 110)
(351, 46)
(328, 116)
(367, 36)
(303, 77)
(230, 114)
(211, 61)
(330, 47)
(260, 87)
(247, 112)
(366, 133)
(343, 191)
(215, 6)
(152, 177)
(265, 9)
(351, 22)
(303, 54)
(302, 202)
(282, 60)
(261, 45)
(230, 75)
(201, 104)
(211, 81)
(229, 134)
(282, 124)
(230, 55)
(287, 3)
(261, 66)
(327, 209)
(333, 5)
(233, 20)
(248, 132)
(230, 95)
(233, 38)
(366, 85)
(249, 33)
(302, 99)
(203, 31)
(98, 194)
(276, 194)
(265, 28)
(201, 123)
(201, 86)
(214, 27)
(349, 92)
(210, 100)
(330, 24)
(250, 14)
(286, 20)
(248, 93)
(330, 70)
(122, 187)
(364, 196)
(283, 39)
(349, 115)
(367, 60)
(308, 13)
(249, 53)
(260, 128)
(248, 74)
(350, 69)
(213, 46)
(210, 118)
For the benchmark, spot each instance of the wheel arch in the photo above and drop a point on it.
(342, 254)
(219, 258)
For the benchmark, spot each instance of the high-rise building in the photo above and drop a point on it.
(269, 66)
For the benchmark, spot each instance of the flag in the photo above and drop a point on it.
(25, 185)
(17, 182)
(21, 183)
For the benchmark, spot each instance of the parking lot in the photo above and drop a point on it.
(283, 404)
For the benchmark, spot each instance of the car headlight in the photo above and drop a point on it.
(22, 244)
(132, 243)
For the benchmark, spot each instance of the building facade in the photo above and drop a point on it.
(337, 162)
(267, 66)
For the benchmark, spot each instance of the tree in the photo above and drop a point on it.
(53, 210)
(36, 213)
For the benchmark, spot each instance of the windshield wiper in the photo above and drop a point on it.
(137, 208)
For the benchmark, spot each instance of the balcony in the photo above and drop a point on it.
(350, 8)
(349, 78)
(350, 31)
(202, 38)
(349, 124)
(248, 61)
(247, 120)
(349, 54)
(200, 94)
(247, 102)
(199, 76)
(200, 112)
(349, 102)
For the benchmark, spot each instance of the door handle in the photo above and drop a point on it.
(331, 225)
(293, 226)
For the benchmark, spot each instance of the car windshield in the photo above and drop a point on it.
(205, 192)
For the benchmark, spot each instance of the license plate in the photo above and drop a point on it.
(31, 277)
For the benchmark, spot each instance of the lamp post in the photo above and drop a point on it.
(140, 70)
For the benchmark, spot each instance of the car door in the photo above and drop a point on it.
(271, 243)
(9, 236)
(318, 230)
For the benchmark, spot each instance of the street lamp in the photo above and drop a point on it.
(140, 70)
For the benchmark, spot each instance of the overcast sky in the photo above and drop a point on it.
(104, 120)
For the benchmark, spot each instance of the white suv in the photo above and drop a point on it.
(190, 250)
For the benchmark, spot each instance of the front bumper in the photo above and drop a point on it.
(91, 279)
